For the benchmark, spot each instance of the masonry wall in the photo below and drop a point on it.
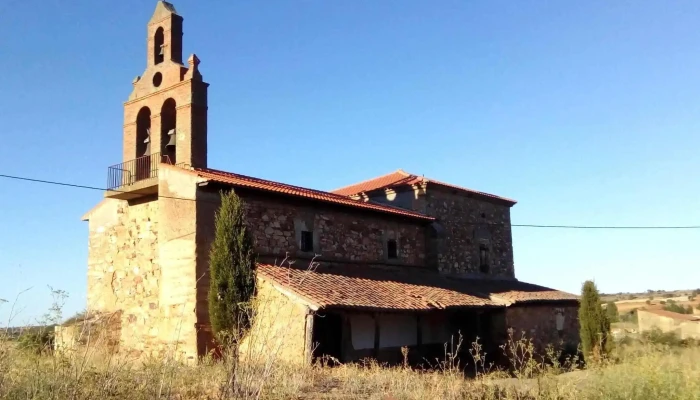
(468, 223)
(683, 328)
(123, 269)
(464, 223)
(180, 265)
(279, 331)
(340, 235)
(555, 324)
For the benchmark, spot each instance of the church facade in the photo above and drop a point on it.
(396, 261)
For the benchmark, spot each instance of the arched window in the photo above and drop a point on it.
(158, 46)
(168, 126)
(143, 129)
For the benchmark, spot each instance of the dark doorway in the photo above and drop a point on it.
(327, 335)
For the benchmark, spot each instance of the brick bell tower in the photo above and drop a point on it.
(165, 117)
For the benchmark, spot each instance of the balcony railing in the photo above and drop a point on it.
(136, 170)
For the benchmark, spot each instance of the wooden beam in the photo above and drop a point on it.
(376, 335)
(308, 341)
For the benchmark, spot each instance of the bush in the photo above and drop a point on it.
(629, 316)
(39, 341)
(656, 336)
(611, 312)
(676, 308)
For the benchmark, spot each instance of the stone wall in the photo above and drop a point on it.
(685, 329)
(279, 331)
(99, 333)
(123, 268)
(181, 267)
(143, 261)
(464, 223)
(340, 235)
(555, 324)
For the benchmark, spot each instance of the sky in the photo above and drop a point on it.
(586, 113)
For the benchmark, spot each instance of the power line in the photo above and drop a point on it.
(76, 186)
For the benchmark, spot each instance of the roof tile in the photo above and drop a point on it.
(363, 287)
(291, 190)
(399, 178)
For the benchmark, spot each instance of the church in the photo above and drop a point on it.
(396, 261)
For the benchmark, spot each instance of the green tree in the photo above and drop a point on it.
(232, 270)
(595, 326)
(611, 312)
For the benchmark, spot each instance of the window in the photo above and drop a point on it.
(484, 259)
(392, 249)
(307, 241)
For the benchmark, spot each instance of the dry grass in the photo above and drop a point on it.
(637, 371)
(640, 371)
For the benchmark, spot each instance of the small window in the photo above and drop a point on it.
(484, 259)
(392, 249)
(307, 241)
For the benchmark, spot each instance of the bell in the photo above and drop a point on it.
(162, 51)
(171, 141)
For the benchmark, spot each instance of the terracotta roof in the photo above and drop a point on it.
(296, 191)
(399, 178)
(674, 315)
(512, 291)
(379, 289)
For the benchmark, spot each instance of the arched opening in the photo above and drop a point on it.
(158, 46)
(168, 126)
(143, 144)
(143, 131)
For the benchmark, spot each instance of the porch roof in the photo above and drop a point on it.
(362, 287)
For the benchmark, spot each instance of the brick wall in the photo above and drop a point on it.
(542, 322)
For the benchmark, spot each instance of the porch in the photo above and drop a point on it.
(350, 335)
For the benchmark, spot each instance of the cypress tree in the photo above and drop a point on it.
(611, 311)
(232, 270)
(594, 323)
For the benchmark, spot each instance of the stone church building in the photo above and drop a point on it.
(398, 260)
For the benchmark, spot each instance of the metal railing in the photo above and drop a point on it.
(132, 171)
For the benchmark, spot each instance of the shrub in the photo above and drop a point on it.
(232, 270)
(629, 316)
(611, 312)
(674, 307)
(38, 341)
(657, 336)
(595, 326)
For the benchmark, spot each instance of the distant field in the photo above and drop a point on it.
(627, 302)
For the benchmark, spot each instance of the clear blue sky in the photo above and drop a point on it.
(585, 112)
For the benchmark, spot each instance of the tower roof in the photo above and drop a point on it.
(163, 9)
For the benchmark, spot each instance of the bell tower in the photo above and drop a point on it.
(165, 116)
